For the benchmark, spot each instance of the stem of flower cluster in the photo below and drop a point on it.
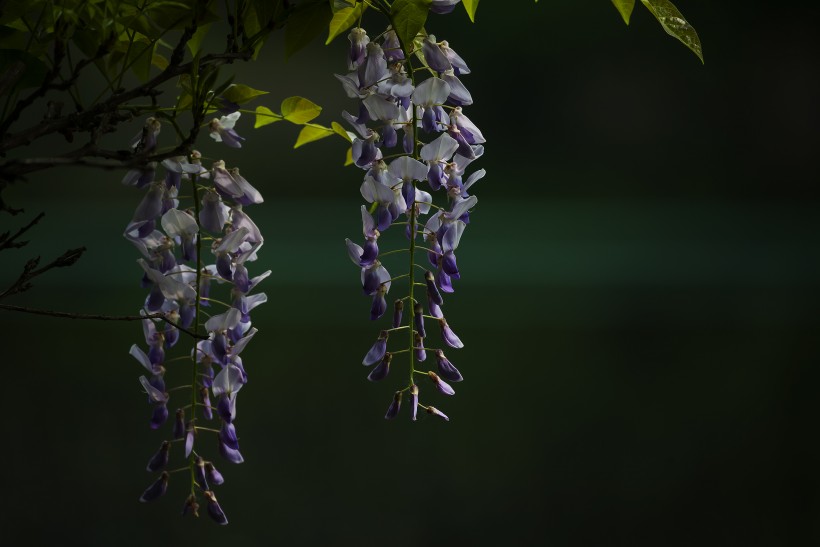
(194, 390)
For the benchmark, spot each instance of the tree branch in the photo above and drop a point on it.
(96, 317)
(8, 242)
(30, 270)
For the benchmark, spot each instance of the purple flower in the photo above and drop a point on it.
(230, 454)
(449, 336)
(441, 385)
(222, 130)
(446, 369)
(214, 510)
(429, 95)
(191, 507)
(436, 59)
(382, 369)
(393, 409)
(377, 350)
(214, 477)
(358, 44)
(436, 412)
(157, 488)
(160, 459)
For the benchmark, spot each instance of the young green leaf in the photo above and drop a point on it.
(310, 133)
(299, 110)
(265, 116)
(471, 6)
(625, 8)
(343, 20)
(674, 24)
(337, 127)
(408, 18)
(240, 93)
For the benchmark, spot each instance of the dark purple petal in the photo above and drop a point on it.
(389, 136)
(190, 435)
(434, 56)
(230, 454)
(435, 176)
(379, 305)
(432, 290)
(370, 252)
(159, 415)
(382, 369)
(225, 407)
(449, 336)
(436, 412)
(393, 409)
(441, 385)
(227, 435)
(446, 369)
(223, 266)
(377, 350)
(157, 489)
(443, 281)
(186, 315)
(448, 264)
(160, 459)
(214, 476)
(155, 300)
(214, 510)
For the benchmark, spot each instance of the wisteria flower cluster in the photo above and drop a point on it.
(179, 271)
(399, 171)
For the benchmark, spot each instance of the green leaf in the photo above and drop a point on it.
(675, 25)
(408, 18)
(265, 116)
(471, 6)
(240, 93)
(299, 110)
(341, 131)
(343, 20)
(306, 23)
(625, 7)
(349, 157)
(310, 133)
(195, 43)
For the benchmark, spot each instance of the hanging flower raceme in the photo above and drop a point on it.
(385, 81)
(170, 232)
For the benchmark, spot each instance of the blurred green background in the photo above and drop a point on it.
(639, 305)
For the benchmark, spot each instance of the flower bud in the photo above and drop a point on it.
(214, 510)
(432, 291)
(199, 473)
(191, 507)
(377, 350)
(414, 401)
(398, 308)
(157, 489)
(382, 369)
(446, 369)
(160, 459)
(190, 434)
(441, 385)
(205, 403)
(436, 412)
(418, 347)
(418, 320)
(179, 424)
(393, 409)
(449, 336)
(214, 477)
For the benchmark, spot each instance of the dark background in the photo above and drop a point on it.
(639, 306)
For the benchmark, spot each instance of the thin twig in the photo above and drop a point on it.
(97, 317)
(8, 242)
